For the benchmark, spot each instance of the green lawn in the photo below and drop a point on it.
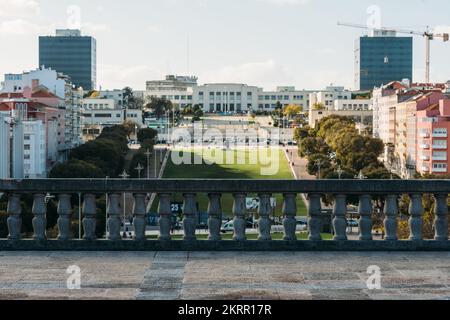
(229, 236)
(231, 171)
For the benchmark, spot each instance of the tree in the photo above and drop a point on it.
(292, 110)
(318, 106)
(75, 168)
(130, 127)
(159, 106)
(147, 134)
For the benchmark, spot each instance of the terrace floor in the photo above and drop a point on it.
(224, 275)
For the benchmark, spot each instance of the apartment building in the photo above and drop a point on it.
(433, 126)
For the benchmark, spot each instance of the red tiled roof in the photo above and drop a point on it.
(43, 94)
(11, 95)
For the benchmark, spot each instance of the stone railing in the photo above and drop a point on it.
(367, 190)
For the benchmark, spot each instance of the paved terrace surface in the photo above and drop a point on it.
(224, 275)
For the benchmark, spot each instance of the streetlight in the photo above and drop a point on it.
(124, 176)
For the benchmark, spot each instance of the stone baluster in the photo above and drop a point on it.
(139, 213)
(365, 220)
(89, 220)
(39, 211)
(289, 213)
(264, 223)
(415, 222)
(314, 217)
(390, 222)
(14, 220)
(190, 214)
(65, 217)
(239, 211)
(340, 219)
(113, 211)
(165, 215)
(215, 216)
(441, 221)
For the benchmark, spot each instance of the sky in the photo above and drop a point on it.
(267, 43)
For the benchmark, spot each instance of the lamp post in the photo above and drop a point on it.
(124, 176)
(319, 165)
(139, 168)
(340, 172)
(148, 154)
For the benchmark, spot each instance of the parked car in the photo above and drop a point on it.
(227, 227)
(352, 223)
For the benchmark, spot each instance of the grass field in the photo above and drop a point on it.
(231, 171)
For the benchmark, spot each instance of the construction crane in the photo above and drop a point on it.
(428, 35)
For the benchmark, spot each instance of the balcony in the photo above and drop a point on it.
(424, 135)
(425, 157)
(439, 147)
(67, 192)
(424, 146)
(439, 158)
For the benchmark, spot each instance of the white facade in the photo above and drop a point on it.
(135, 116)
(17, 156)
(328, 96)
(4, 148)
(382, 105)
(353, 104)
(99, 104)
(226, 97)
(54, 82)
(34, 150)
(116, 95)
(177, 89)
(268, 100)
(103, 117)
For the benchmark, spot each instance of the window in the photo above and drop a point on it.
(27, 157)
(27, 147)
(26, 137)
(440, 131)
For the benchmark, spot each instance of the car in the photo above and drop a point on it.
(227, 227)
(352, 223)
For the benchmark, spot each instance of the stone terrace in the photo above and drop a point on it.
(224, 275)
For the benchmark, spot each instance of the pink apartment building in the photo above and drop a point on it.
(433, 129)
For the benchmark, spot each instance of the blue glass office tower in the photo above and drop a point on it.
(382, 58)
(72, 54)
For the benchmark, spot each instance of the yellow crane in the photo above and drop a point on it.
(428, 35)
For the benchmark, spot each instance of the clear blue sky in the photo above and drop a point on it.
(259, 42)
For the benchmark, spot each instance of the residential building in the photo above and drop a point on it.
(328, 96)
(5, 154)
(72, 54)
(53, 89)
(34, 150)
(381, 58)
(433, 128)
(99, 104)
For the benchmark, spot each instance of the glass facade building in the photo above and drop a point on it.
(382, 59)
(72, 54)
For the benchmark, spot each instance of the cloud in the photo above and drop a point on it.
(19, 8)
(89, 28)
(20, 27)
(116, 76)
(267, 73)
(285, 2)
(442, 29)
(153, 29)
